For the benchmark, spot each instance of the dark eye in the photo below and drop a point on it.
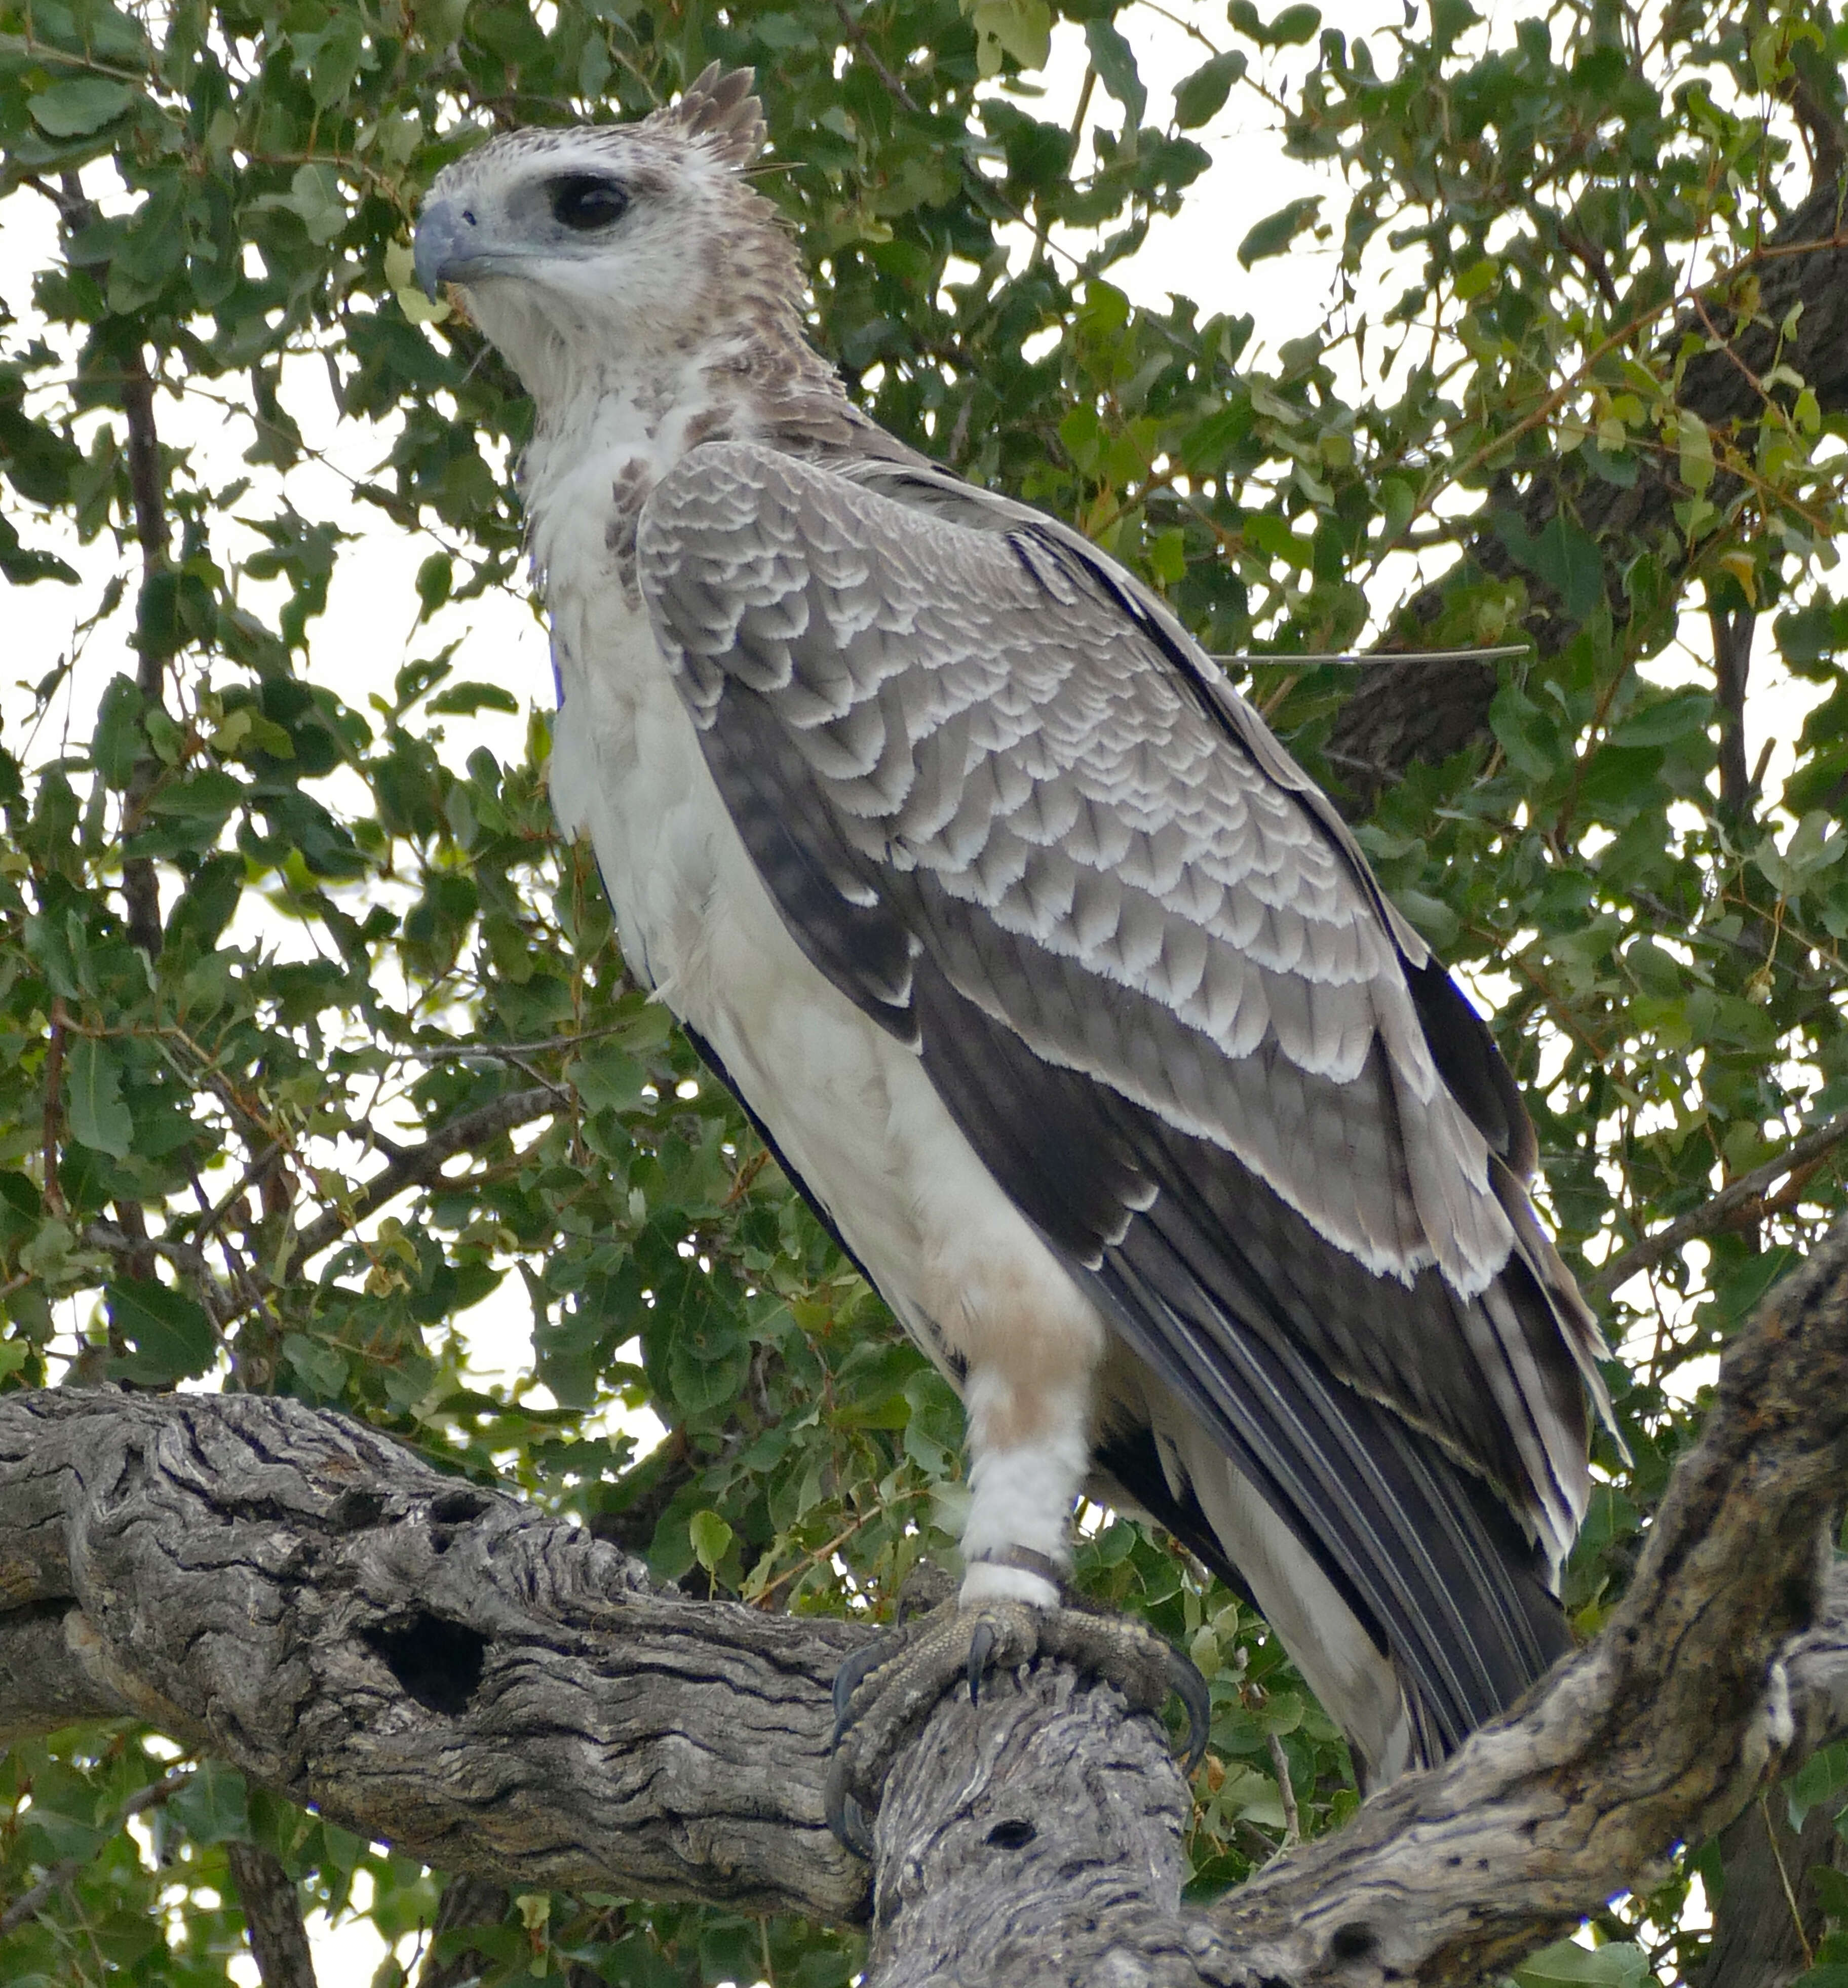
(584, 202)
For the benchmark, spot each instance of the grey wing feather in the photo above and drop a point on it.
(979, 766)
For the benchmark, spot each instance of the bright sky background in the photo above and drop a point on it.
(367, 634)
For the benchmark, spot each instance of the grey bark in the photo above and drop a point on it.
(1770, 1919)
(466, 1902)
(1403, 715)
(273, 1917)
(507, 1697)
(493, 1691)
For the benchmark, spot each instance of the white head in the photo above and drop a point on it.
(627, 251)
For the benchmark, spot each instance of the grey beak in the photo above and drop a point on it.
(446, 241)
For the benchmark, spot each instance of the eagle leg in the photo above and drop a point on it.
(884, 1692)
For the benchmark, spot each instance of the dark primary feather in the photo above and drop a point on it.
(1007, 806)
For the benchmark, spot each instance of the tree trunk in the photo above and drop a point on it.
(1767, 1920)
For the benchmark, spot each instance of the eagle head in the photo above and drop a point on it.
(605, 246)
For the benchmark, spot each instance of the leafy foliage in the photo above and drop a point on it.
(313, 1035)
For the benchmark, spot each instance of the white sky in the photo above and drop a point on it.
(366, 635)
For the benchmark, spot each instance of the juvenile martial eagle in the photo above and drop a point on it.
(1062, 993)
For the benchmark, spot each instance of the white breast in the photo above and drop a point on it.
(850, 1107)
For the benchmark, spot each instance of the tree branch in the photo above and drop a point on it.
(60, 1874)
(1736, 1196)
(1732, 632)
(418, 1165)
(1399, 716)
(273, 1917)
(52, 1120)
(426, 1662)
(500, 1694)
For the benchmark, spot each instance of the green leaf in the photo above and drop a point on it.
(607, 1078)
(1820, 1779)
(1022, 29)
(465, 699)
(1527, 734)
(212, 1807)
(1696, 452)
(1831, 1889)
(1115, 61)
(711, 1538)
(118, 741)
(1198, 98)
(1276, 231)
(21, 566)
(74, 108)
(1568, 1965)
(172, 1338)
(708, 1355)
(1563, 554)
(323, 1370)
(314, 193)
(96, 1112)
(1661, 724)
(435, 578)
(1295, 26)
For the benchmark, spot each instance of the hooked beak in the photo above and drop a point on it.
(447, 248)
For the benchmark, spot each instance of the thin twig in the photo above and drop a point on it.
(216, 1213)
(1376, 656)
(1280, 1763)
(28, 1903)
(1777, 1857)
(1715, 1213)
(421, 1164)
(54, 1106)
(218, 1304)
(858, 35)
(140, 887)
(501, 1052)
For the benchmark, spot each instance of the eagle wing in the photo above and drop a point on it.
(1007, 805)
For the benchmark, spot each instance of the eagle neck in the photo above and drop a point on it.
(609, 434)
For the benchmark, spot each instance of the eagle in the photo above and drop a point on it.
(1065, 997)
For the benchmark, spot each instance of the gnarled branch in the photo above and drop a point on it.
(502, 1695)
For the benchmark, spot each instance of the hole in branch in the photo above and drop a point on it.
(1015, 1834)
(1352, 1942)
(457, 1508)
(437, 1663)
(353, 1511)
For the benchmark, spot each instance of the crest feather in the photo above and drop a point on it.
(717, 109)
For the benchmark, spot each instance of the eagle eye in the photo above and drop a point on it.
(586, 201)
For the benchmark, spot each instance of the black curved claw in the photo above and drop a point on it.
(849, 1680)
(844, 1815)
(981, 1648)
(1190, 1687)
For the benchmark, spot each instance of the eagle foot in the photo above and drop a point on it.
(886, 1691)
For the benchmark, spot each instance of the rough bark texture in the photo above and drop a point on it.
(427, 1663)
(273, 1916)
(504, 1695)
(1770, 1919)
(1404, 714)
(1039, 1839)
